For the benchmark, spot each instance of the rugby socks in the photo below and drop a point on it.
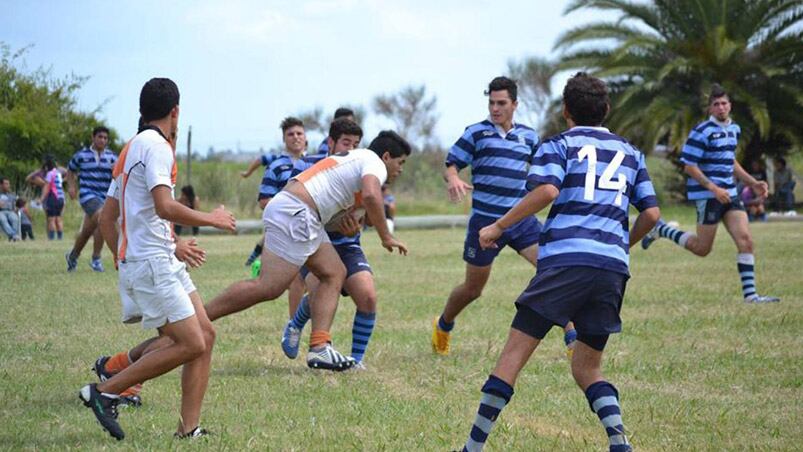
(569, 337)
(118, 362)
(51, 235)
(673, 234)
(302, 315)
(603, 398)
(256, 253)
(495, 395)
(445, 326)
(361, 333)
(60, 234)
(319, 338)
(746, 263)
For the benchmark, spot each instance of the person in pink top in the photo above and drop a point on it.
(53, 198)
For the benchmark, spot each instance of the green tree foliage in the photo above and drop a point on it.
(537, 103)
(38, 116)
(661, 58)
(413, 113)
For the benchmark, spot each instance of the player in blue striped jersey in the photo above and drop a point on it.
(709, 158)
(263, 160)
(93, 165)
(499, 152)
(590, 176)
(344, 135)
(273, 181)
(341, 112)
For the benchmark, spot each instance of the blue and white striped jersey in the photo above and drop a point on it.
(598, 174)
(94, 172)
(276, 176)
(267, 159)
(712, 148)
(499, 164)
(323, 148)
(302, 165)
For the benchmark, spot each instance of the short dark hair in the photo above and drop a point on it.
(781, 160)
(157, 98)
(49, 162)
(3, 179)
(344, 126)
(716, 92)
(100, 129)
(586, 99)
(343, 111)
(290, 121)
(503, 84)
(390, 142)
(21, 202)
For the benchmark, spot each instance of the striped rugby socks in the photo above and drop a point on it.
(361, 333)
(603, 398)
(676, 235)
(746, 264)
(495, 395)
(302, 314)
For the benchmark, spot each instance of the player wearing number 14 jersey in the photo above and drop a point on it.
(590, 176)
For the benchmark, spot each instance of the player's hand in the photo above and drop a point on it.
(761, 189)
(223, 219)
(721, 195)
(391, 243)
(457, 189)
(349, 224)
(489, 235)
(190, 253)
(244, 174)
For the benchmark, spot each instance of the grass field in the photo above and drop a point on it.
(696, 368)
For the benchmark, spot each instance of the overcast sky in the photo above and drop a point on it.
(243, 65)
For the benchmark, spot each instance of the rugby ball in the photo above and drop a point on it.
(333, 225)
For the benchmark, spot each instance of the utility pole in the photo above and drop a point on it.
(189, 156)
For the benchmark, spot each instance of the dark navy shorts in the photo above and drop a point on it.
(711, 211)
(590, 297)
(54, 205)
(92, 205)
(353, 259)
(521, 235)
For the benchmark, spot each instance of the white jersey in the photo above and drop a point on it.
(146, 162)
(334, 183)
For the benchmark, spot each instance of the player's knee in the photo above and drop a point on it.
(744, 243)
(195, 347)
(702, 250)
(367, 303)
(209, 336)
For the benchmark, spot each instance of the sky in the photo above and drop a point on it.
(242, 66)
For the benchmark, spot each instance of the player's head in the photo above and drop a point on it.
(344, 135)
(158, 101)
(502, 95)
(48, 163)
(189, 192)
(100, 137)
(344, 112)
(293, 135)
(393, 150)
(719, 103)
(585, 100)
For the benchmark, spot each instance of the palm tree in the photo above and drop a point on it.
(661, 58)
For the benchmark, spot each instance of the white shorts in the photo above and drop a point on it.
(155, 291)
(293, 230)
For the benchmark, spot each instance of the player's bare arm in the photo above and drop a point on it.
(375, 210)
(531, 204)
(644, 223)
(251, 168)
(72, 184)
(108, 225)
(720, 193)
(456, 188)
(172, 210)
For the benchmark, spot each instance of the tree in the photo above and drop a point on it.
(662, 56)
(316, 121)
(534, 75)
(38, 116)
(413, 114)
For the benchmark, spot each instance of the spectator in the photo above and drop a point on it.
(25, 219)
(189, 199)
(9, 221)
(785, 181)
(53, 198)
(757, 170)
(754, 204)
(390, 207)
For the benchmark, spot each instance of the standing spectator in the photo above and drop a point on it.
(785, 182)
(94, 168)
(189, 199)
(26, 227)
(9, 221)
(53, 198)
(390, 207)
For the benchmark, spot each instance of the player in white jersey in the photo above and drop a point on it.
(294, 221)
(156, 284)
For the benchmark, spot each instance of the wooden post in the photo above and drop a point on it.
(189, 156)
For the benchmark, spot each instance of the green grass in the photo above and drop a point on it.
(696, 368)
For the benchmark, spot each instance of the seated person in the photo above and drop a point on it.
(754, 204)
(785, 181)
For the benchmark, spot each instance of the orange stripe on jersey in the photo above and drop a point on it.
(317, 168)
(119, 168)
(357, 199)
